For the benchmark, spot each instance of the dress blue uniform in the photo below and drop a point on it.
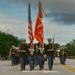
(42, 57)
(50, 54)
(13, 61)
(31, 58)
(63, 54)
(23, 55)
(42, 52)
(39, 57)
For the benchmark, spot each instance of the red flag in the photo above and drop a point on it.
(38, 33)
(30, 32)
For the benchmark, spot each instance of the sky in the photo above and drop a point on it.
(60, 19)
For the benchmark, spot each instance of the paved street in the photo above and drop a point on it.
(58, 69)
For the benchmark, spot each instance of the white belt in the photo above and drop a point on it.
(22, 51)
(49, 50)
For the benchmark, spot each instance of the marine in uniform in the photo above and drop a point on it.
(63, 54)
(23, 53)
(13, 56)
(60, 55)
(50, 53)
(42, 52)
(31, 57)
(17, 56)
(38, 56)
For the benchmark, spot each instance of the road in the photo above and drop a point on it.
(58, 69)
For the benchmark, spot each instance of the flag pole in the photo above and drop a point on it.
(53, 41)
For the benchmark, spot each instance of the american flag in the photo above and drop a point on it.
(30, 31)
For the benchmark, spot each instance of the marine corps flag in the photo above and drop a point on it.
(30, 32)
(38, 32)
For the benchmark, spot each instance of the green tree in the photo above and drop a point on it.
(57, 46)
(71, 48)
(6, 41)
(4, 50)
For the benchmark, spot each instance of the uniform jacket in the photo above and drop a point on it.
(23, 50)
(49, 51)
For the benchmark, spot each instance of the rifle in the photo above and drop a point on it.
(53, 42)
